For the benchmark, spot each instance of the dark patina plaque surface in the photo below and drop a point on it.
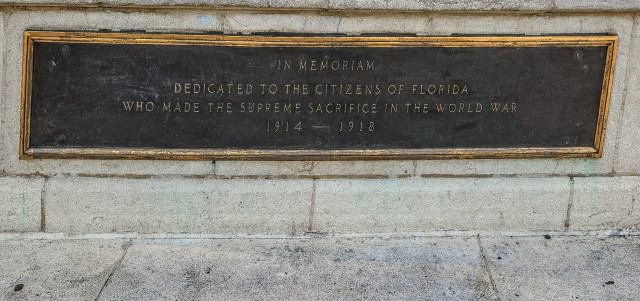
(118, 95)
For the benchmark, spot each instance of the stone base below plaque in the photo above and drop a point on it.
(309, 197)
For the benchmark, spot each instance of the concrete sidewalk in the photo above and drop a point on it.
(458, 266)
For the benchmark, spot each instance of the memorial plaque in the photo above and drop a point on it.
(176, 96)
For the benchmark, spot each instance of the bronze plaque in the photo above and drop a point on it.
(177, 96)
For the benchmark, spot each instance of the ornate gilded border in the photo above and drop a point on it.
(30, 37)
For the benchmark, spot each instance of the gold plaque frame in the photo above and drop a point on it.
(30, 37)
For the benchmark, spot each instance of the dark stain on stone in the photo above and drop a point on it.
(18, 287)
(610, 282)
(547, 236)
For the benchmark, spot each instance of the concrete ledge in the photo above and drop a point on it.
(359, 5)
(606, 203)
(20, 203)
(416, 205)
(371, 169)
(346, 205)
(177, 205)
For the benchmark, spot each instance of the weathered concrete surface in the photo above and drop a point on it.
(418, 205)
(564, 268)
(284, 22)
(258, 168)
(366, 5)
(302, 269)
(2, 81)
(20, 199)
(390, 169)
(56, 269)
(606, 203)
(177, 205)
(628, 152)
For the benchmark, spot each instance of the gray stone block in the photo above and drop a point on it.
(609, 5)
(605, 203)
(302, 269)
(20, 203)
(56, 270)
(365, 5)
(269, 22)
(419, 205)
(415, 24)
(241, 4)
(2, 88)
(628, 152)
(435, 5)
(177, 205)
(564, 268)
(263, 168)
(391, 169)
(315, 168)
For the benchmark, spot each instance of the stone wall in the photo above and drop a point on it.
(294, 198)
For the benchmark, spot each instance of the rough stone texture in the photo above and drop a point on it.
(364, 168)
(564, 268)
(505, 24)
(414, 24)
(389, 5)
(264, 168)
(307, 4)
(448, 5)
(315, 168)
(417, 205)
(606, 203)
(257, 22)
(628, 158)
(2, 86)
(561, 267)
(177, 205)
(608, 5)
(2, 74)
(56, 269)
(484, 167)
(19, 21)
(20, 203)
(302, 269)
(266, 22)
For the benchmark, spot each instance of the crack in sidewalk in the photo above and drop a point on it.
(115, 267)
(486, 265)
(569, 204)
(43, 196)
(313, 205)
